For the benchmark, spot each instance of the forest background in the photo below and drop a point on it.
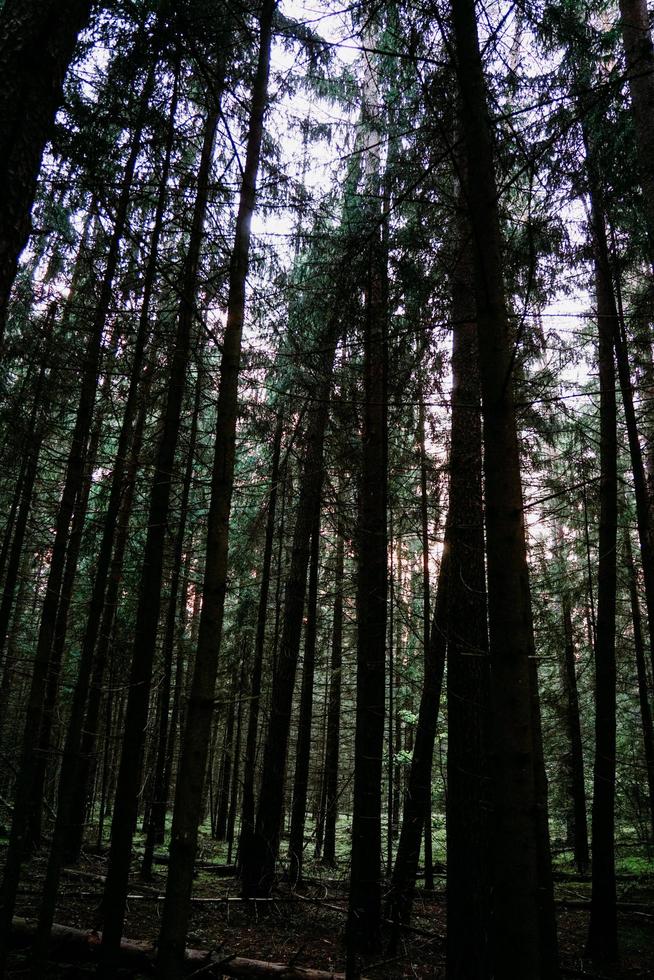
(327, 439)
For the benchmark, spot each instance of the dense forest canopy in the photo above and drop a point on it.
(327, 486)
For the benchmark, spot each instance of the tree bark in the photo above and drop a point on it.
(37, 42)
(332, 748)
(577, 784)
(365, 893)
(639, 52)
(426, 611)
(157, 820)
(520, 945)
(193, 760)
(641, 673)
(602, 940)
(418, 785)
(303, 752)
(469, 791)
(72, 484)
(247, 809)
(259, 860)
(149, 600)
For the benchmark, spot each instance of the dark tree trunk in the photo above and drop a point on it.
(193, 759)
(641, 673)
(641, 491)
(639, 51)
(393, 799)
(303, 752)
(521, 945)
(365, 895)
(72, 484)
(247, 811)
(219, 824)
(577, 785)
(34, 439)
(37, 42)
(469, 793)
(332, 748)
(108, 568)
(81, 736)
(157, 820)
(233, 803)
(602, 941)
(259, 859)
(419, 782)
(426, 612)
(149, 600)
(80, 739)
(43, 752)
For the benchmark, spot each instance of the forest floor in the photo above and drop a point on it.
(305, 925)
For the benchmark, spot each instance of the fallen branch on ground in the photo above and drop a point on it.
(67, 943)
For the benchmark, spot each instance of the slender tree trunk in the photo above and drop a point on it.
(83, 728)
(577, 783)
(34, 439)
(602, 941)
(43, 760)
(147, 615)
(641, 492)
(179, 682)
(469, 793)
(303, 754)
(639, 51)
(426, 611)
(364, 906)
(157, 821)
(37, 42)
(258, 861)
(233, 803)
(392, 815)
(419, 782)
(222, 804)
(641, 673)
(332, 748)
(72, 483)
(247, 811)
(520, 945)
(193, 761)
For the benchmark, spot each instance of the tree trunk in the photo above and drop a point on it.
(641, 673)
(426, 611)
(259, 860)
(332, 748)
(193, 760)
(34, 440)
(72, 484)
(577, 783)
(469, 792)
(43, 760)
(520, 946)
(419, 782)
(602, 941)
(303, 752)
(149, 600)
(219, 824)
(639, 52)
(247, 810)
(37, 42)
(82, 730)
(157, 821)
(233, 803)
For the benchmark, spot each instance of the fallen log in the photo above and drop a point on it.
(67, 943)
(221, 870)
(626, 907)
